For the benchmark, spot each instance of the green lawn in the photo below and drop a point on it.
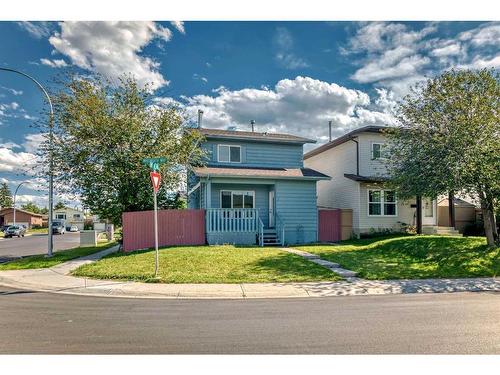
(208, 264)
(41, 261)
(413, 257)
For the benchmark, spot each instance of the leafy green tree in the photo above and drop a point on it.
(103, 131)
(449, 140)
(31, 207)
(5, 196)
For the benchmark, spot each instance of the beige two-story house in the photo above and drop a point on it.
(356, 164)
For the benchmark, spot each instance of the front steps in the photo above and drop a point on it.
(441, 231)
(271, 237)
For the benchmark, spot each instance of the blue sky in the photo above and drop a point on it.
(287, 76)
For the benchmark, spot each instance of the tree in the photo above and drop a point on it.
(449, 140)
(103, 131)
(59, 206)
(5, 196)
(31, 207)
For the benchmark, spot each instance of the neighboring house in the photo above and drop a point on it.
(466, 213)
(255, 189)
(70, 216)
(356, 163)
(26, 218)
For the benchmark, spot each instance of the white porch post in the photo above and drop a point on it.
(208, 197)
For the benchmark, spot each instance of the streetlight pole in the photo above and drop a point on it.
(14, 203)
(51, 156)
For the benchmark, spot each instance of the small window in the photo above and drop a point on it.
(382, 203)
(374, 200)
(237, 199)
(229, 154)
(225, 199)
(379, 151)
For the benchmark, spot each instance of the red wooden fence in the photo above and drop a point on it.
(329, 225)
(175, 227)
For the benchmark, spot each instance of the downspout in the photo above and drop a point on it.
(357, 155)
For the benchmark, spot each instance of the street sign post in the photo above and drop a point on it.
(154, 164)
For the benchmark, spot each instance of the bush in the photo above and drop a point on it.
(378, 232)
(474, 229)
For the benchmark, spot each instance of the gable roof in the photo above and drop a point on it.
(254, 136)
(344, 138)
(279, 173)
(3, 211)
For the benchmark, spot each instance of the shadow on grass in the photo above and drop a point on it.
(415, 257)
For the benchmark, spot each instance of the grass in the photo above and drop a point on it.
(208, 264)
(41, 261)
(413, 257)
(38, 230)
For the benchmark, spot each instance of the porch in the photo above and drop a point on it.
(242, 213)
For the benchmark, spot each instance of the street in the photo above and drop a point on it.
(35, 244)
(457, 323)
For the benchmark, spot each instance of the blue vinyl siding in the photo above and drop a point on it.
(261, 197)
(254, 154)
(296, 205)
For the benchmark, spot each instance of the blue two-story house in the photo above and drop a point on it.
(255, 189)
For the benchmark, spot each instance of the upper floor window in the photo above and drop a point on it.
(61, 216)
(379, 151)
(229, 154)
(382, 203)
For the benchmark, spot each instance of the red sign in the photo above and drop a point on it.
(155, 179)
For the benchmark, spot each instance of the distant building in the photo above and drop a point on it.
(26, 218)
(70, 216)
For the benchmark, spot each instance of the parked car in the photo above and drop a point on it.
(73, 228)
(15, 230)
(58, 227)
(5, 227)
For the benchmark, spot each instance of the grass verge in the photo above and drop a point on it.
(208, 264)
(413, 257)
(41, 261)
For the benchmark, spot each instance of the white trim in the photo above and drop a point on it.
(229, 161)
(382, 202)
(193, 189)
(252, 193)
(382, 144)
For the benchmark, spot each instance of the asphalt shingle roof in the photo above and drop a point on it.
(286, 173)
(269, 137)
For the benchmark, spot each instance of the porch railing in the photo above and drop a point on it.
(232, 220)
(261, 232)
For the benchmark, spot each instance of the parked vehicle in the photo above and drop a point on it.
(15, 230)
(58, 227)
(5, 227)
(73, 228)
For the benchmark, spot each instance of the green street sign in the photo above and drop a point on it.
(154, 163)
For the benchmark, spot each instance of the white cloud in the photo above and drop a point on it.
(12, 91)
(283, 41)
(32, 142)
(300, 106)
(396, 57)
(36, 29)
(112, 48)
(54, 63)
(488, 34)
(11, 161)
(179, 25)
(200, 78)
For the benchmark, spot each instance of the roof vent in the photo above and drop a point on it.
(231, 128)
(252, 124)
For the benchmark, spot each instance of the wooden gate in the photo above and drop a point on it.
(334, 224)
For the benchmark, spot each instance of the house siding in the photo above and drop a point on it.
(296, 206)
(367, 166)
(253, 154)
(339, 192)
(405, 213)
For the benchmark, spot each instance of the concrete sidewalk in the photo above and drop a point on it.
(57, 280)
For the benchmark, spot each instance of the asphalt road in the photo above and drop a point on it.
(36, 244)
(427, 323)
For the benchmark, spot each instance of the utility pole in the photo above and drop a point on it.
(50, 245)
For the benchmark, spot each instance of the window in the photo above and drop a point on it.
(379, 151)
(61, 216)
(237, 199)
(382, 203)
(229, 154)
(76, 216)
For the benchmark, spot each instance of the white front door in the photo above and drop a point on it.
(429, 211)
(271, 208)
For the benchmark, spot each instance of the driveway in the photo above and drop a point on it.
(457, 323)
(35, 244)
